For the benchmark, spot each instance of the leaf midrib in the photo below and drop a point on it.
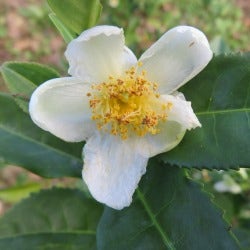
(224, 111)
(156, 224)
(38, 143)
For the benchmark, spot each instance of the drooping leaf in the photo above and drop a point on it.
(76, 15)
(65, 33)
(22, 78)
(51, 219)
(220, 97)
(169, 211)
(23, 144)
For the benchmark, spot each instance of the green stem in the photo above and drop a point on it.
(163, 234)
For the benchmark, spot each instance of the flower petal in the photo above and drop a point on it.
(180, 118)
(61, 107)
(98, 53)
(112, 169)
(179, 55)
(171, 133)
(181, 111)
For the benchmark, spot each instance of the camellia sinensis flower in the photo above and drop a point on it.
(127, 110)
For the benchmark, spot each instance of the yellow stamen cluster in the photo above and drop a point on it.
(127, 105)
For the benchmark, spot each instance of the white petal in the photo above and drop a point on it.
(98, 53)
(179, 55)
(181, 111)
(129, 58)
(180, 118)
(112, 169)
(170, 135)
(61, 107)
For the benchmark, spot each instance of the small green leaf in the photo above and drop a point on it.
(15, 194)
(76, 15)
(220, 97)
(24, 144)
(169, 211)
(22, 78)
(52, 219)
(66, 34)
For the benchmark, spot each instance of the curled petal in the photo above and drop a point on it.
(181, 111)
(179, 55)
(61, 107)
(112, 169)
(98, 53)
(180, 117)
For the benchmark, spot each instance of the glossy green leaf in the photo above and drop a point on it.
(52, 219)
(220, 97)
(24, 144)
(169, 211)
(22, 78)
(65, 33)
(76, 15)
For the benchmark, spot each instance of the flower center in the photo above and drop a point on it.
(128, 105)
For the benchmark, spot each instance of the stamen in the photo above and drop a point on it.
(128, 105)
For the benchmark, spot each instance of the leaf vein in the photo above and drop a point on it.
(215, 112)
(156, 224)
(11, 132)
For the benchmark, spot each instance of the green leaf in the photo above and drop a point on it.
(49, 241)
(24, 144)
(15, 194)
(76, 15)
(65, 33)
(51, 219)
(220, 97)
(244, 237)
(169, 211)
(22, 78)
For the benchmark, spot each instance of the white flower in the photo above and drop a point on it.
(227, 184)
(126, 110)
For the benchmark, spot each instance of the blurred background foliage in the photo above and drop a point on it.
(27, 34)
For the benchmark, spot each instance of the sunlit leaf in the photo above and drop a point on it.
(220, 97)
(22, 78)
(77, 15)
(169, 211)
(65, 33)
(16, 193)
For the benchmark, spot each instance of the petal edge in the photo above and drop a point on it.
(60, 106)
(179, 55)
